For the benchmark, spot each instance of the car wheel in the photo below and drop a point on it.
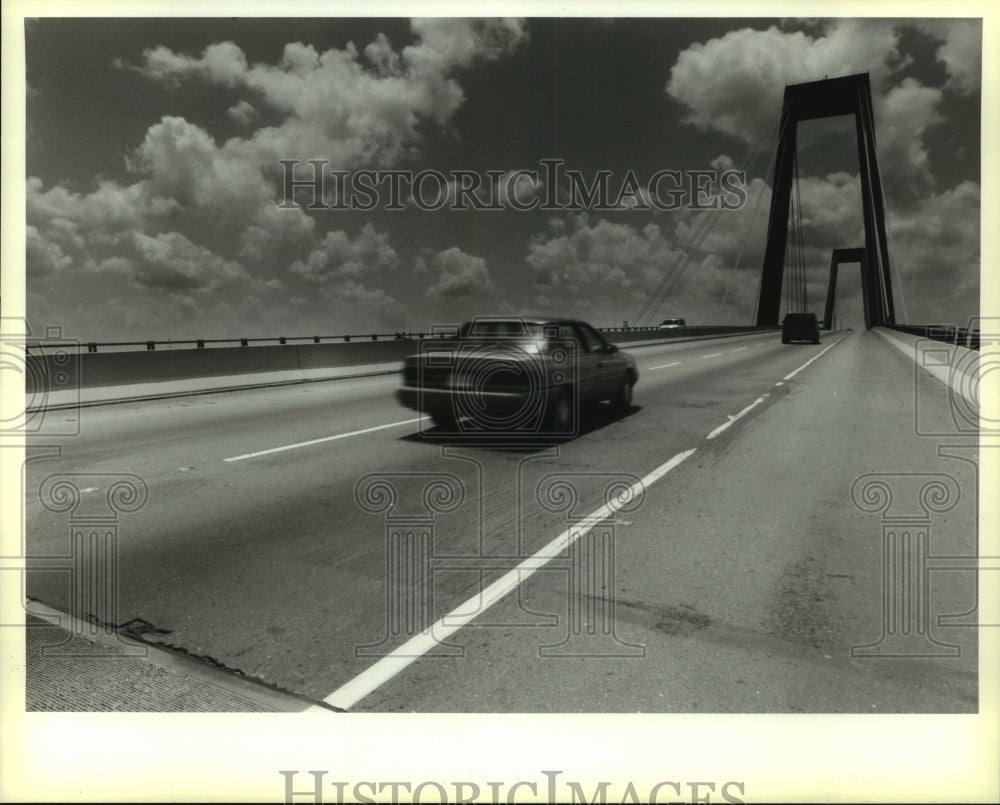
(623, 399)
(561, 412)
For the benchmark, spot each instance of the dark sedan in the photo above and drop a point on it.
(510, 374)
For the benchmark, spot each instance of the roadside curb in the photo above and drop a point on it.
(74, 665)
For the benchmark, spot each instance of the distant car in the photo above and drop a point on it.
(504, 374)
(670, 324)
(800, 327)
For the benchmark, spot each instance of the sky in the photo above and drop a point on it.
(158, 151)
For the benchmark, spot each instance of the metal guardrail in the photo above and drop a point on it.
(201, 343)
(151, 345)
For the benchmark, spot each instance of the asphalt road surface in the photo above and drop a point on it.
(701, 553)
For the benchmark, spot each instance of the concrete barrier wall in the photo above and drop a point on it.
(354, 353)
(49, 372)
(90, 369)
(119, 368)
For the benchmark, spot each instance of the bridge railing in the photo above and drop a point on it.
(151, 345)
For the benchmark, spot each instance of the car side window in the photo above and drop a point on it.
(589, 338)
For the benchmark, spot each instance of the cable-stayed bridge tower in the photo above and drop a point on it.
(849, 95)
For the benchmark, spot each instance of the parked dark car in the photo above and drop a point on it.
(800, 327)
(509, 374)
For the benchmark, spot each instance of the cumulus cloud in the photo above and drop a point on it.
(577, 254)
(354, 108)
(936, 249)
(169, 260)
(221, 62)
(276, 236)
(734, 83)
(459, 274)
(108, 209)
(338, 263)
(243, 113)
(44, 257)
(960, 51)
(907, 109)
(183, 163)
(201, 215)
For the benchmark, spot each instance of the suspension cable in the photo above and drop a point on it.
(673, 275)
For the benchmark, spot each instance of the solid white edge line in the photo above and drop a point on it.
(348, 694)
(740, 415)
(324, 439)
(814, 358)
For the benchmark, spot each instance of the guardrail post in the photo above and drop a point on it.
(243, 342)
(282, 340)
(374, 337)
(150, 346)
(347, 338)
(315, 339)
(92, 347)
(200, 343)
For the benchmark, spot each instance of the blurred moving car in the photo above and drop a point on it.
(503, 374)
(800, 327)
(670, 324)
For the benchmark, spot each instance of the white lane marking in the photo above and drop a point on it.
(740, 415)
(813, 358)
(713, 355)
(386, 668)
(759, 400)
(324, 439)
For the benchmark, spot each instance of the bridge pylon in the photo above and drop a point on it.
(846, 256)
(848, 95)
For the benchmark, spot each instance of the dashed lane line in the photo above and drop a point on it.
(324, 439)
(738, 416)
(725, 425)
(815, 357)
